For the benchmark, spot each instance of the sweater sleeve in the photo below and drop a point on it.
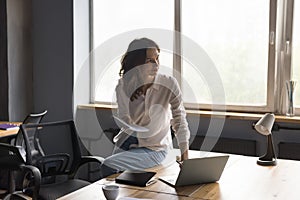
(123, 103)
(179, 122)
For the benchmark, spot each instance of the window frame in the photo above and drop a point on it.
(279, 34)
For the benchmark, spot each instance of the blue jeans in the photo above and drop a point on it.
(138, 158)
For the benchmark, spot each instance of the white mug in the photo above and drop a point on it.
(110, 192)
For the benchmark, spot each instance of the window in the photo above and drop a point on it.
(230, 42)
(296, 51)
(115, 27)
(237, 41)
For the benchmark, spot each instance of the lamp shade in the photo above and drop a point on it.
(265, 124)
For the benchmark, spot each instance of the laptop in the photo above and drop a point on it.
(198, 171)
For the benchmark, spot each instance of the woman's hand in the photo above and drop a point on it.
(136, 95)
(140, 91)
(185, 155)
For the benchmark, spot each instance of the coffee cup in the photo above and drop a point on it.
(110, 192)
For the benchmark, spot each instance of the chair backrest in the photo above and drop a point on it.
(33, 118)
(60, 146)
(13, 155)
(10, 157)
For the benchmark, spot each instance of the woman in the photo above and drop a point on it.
(147, 99)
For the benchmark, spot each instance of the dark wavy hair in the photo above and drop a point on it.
(136, 54)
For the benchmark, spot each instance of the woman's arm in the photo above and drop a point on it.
(179, 122)
(123, 103)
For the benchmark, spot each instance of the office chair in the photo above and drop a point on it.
(33, 118)
(14, 151)
(57, 155)
(12, 159)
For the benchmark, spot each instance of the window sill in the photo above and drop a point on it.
(206, 113)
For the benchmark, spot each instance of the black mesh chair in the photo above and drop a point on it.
(33, 118)
(12, 157)
(57, 154)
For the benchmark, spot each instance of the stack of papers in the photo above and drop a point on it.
(122, 124)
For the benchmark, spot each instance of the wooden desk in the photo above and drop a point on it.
(242, 179)
(8, 133)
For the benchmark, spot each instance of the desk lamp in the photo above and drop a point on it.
(264, 127)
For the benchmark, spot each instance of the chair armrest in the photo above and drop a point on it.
(88, 159)
(85, 160)
(32, 178)
(53, 164)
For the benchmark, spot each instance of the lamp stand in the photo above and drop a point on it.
(269, 159)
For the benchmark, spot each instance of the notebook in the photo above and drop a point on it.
(137, 178)
(8, 126)
(198, 171)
